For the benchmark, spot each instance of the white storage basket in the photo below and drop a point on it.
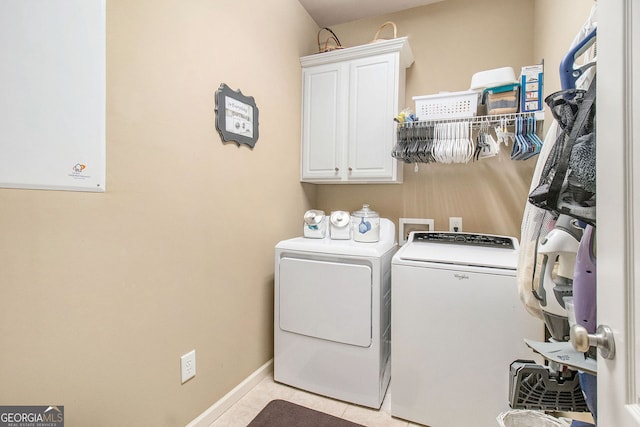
(449, 105)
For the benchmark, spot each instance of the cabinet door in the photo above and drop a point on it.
(323, 112)
(374, 88)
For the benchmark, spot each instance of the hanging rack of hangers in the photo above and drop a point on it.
(460, 140)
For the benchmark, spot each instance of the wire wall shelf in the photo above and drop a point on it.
(460, 140)
(477, 120)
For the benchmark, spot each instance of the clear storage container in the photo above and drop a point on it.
(366, 225)
(502, 99)
(315, 224)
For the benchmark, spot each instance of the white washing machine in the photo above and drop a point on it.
(331, 316)
(457, 323)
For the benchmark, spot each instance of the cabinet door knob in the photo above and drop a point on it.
(337, 169)
(350, 170)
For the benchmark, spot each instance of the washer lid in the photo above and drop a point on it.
(480, 250)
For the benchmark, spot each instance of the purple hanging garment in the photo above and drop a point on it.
(584, 282)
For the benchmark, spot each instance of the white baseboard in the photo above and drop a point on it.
(220, 407)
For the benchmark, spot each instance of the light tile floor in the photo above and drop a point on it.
(241, 413)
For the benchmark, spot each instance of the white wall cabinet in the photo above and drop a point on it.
(350, 97)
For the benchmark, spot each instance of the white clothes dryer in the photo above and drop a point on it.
(332, 303)
(457, 323)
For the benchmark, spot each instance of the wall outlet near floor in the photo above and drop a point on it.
(455, 224)
(188, 366)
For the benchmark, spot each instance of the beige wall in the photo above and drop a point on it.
(100, 294)
(451, 41)
(556, 25)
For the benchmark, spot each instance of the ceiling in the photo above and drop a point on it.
(332, 12)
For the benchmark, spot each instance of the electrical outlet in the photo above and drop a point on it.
(455, 224)
(188, 366)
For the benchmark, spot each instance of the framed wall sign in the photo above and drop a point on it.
(236, 116)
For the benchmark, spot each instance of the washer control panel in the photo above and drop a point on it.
(467, 239)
